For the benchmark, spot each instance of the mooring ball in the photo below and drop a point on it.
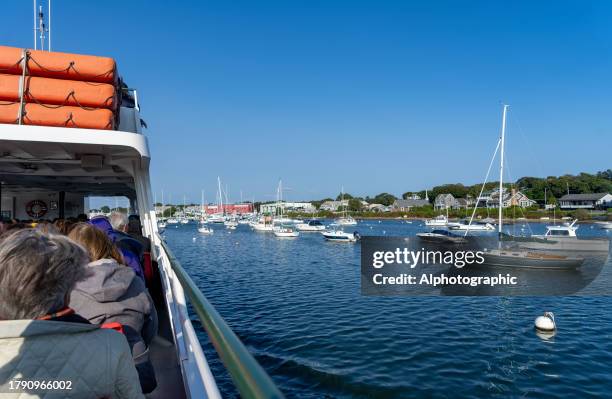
(545, 323)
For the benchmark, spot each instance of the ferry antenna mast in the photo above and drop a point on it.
(39, 26)
(35, 29)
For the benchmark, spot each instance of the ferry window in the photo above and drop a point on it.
(559, 233)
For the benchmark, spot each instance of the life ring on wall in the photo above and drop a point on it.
(36, 209)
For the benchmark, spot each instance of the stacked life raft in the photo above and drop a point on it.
(58, 89)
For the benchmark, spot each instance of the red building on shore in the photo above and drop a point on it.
(229, 208)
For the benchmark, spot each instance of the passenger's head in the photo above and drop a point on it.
(37, 273)
(119, 221)
(63, 225)
(134, 226)
(12, 227)
(47, 228)
(95, 242)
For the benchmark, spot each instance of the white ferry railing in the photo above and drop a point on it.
(197, 377)
(248, 376)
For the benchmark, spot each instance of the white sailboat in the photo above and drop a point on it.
(346, 219)
(280, 229)
(202, 227)
(172, 219)
(219, 216)
(161, 224)
(183, 219)
(520, 258)
(263, 224)
(438, 221)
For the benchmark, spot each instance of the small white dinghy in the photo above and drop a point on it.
(204, 229)
(312, 225)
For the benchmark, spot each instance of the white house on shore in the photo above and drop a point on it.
(445, 201)
(305, 207)
(333, 206)
(509, 198)
(586, 201)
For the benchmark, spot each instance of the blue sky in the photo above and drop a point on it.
(372, 95)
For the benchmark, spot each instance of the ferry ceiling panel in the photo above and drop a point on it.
(83, 161)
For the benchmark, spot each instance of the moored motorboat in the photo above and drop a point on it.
(564, 238)
(285, 232)
(216, 219)
(438, 221)
(311, 226)
(337, 234)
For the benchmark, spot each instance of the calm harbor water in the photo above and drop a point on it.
(297, 306)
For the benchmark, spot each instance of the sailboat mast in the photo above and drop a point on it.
(220, 193)
(501, 167)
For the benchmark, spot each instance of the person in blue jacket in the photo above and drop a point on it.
(131, 249)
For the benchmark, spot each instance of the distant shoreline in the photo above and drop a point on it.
(505, 221)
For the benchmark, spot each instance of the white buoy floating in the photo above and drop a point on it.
(546, 322)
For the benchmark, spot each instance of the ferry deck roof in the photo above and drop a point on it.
(86, 161)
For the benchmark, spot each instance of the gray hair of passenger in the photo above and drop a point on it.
(118, 220)
(47, 228)
(37, 272)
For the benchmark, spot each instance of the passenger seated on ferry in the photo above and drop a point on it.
(134, 229)
(130, 248)
(120, 223)
(113, 293)
(41, 337)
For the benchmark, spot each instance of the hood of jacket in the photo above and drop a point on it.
(107, 280)
(102, 223)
